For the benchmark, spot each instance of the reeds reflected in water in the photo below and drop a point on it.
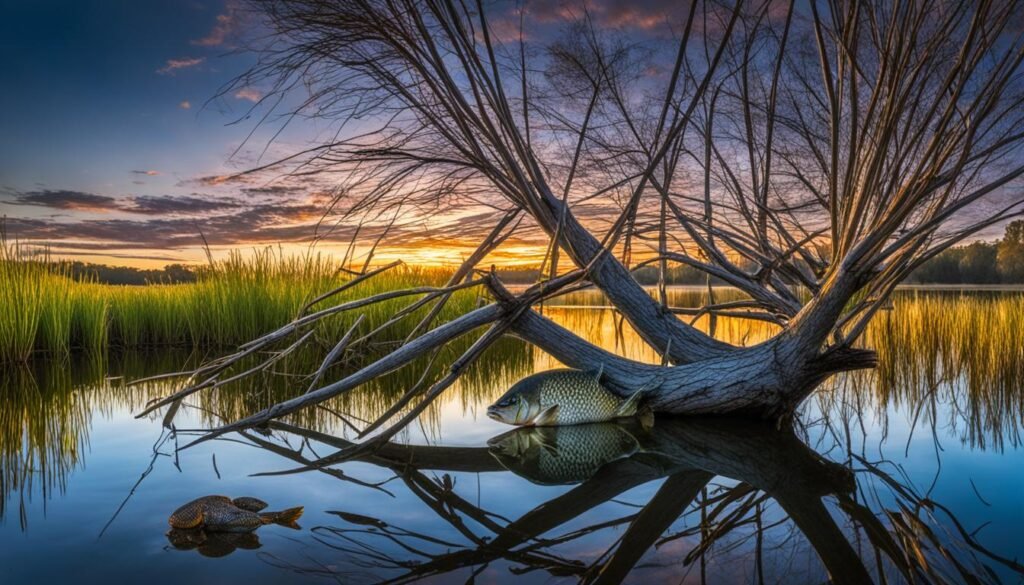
(947, 360)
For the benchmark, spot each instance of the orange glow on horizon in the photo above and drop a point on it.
(513, 255)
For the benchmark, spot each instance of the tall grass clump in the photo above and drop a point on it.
(22, 286)
(90, 318)
(241, 297)
(45, 311)
(961, 348)
(56, 313)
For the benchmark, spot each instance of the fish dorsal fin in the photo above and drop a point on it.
(630, 405)
(599, 372)
(548, 416)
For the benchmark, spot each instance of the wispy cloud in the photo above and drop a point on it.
(178, 205)
(257, 224)
(273, 190)
(223, 27)
(248, 93)
(640, 14)
(174, 65)
(214, 180)
(153, 205)
(147, 173)
(235, 223)
(65, 199)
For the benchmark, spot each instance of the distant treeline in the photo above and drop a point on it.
(999, 262)
(170, 274)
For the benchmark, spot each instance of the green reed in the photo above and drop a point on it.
(932, 345)
(935, 350)
(963, 349)
(24, 294)
(44, 311)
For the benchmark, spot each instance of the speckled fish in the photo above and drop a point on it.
(562, 455)
(561, 397)
(222, 514)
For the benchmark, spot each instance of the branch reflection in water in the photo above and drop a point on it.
(727, 488)
(949, 373)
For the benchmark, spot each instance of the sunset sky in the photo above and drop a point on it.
(115, 138)
(114, 142)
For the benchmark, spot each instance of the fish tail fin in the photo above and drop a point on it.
(631, 404)
(287, 517)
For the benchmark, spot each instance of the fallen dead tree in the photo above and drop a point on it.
(811, 157)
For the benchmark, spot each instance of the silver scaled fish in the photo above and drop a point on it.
(561, 397)
(562, 455)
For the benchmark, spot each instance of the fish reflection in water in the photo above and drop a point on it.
(212, 544)
(562, 455)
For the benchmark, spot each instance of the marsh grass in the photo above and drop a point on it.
(963, 346)
(21, 286)
(44, 311)
(959, 353)
(953, 360)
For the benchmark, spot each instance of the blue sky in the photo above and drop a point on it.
(91, 96)
(110, 139)
(107, 104)
(111, 136)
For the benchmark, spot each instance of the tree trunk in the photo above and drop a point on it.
(657, 326)
(767, 381)
(764, 381)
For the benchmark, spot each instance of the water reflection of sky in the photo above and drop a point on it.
(61, 543)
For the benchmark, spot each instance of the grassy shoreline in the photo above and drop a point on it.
(45, 311)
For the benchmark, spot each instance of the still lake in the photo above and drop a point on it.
(910, 473)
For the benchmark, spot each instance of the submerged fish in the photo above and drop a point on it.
(561, 397)
(562, 455)
(222, 514)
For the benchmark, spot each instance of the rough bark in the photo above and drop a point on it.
(858, 147)
(764, 381)
(657, 325)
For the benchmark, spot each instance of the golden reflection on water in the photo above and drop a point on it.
(947, 359)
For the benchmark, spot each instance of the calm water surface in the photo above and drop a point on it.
(923, 485)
